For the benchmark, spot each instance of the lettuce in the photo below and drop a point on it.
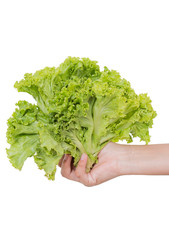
(79, 108)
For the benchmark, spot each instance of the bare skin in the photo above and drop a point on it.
(116, 160)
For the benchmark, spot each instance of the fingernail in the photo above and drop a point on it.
(83, 157)
(65, 157)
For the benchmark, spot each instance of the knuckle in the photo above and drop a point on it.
(78, 174)
(63, 173)
(88, 184)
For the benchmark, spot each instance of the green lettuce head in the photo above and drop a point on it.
(78, 109)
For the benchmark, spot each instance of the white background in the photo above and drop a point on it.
(131, 37)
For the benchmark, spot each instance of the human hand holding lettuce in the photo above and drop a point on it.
(118, 159)
(79, 109)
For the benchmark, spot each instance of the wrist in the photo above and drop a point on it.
(138, 160)
(125, 159)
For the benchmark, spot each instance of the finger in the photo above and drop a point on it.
(61, 160)
(80, 170)
(101, 173)
(66, 166)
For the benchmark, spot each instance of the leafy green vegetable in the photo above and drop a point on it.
(79, 109)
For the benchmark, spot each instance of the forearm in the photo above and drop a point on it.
(147, 160)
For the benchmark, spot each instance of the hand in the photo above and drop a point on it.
(111, 160)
